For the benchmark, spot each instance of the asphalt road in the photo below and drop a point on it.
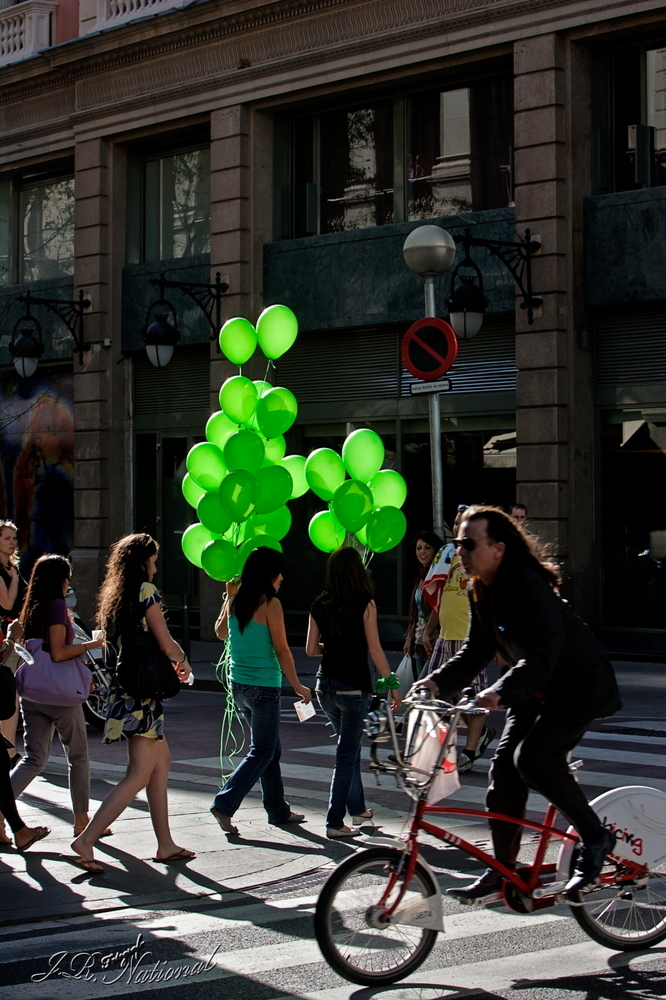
(253, 940)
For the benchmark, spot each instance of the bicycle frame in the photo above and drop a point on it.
(526, 880)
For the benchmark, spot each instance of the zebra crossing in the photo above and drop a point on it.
(260, 943)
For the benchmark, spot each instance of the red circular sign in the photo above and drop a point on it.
(429, 348)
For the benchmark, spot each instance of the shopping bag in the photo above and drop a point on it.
(425, 735)
(406, 674)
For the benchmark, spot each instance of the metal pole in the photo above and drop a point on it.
(435, 430)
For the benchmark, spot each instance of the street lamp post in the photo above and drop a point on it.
(430, 251)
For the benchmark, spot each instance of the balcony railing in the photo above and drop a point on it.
(115, 12)
(26, 29)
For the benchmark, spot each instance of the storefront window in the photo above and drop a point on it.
(4, 232)
(47, 230)
(633, 525)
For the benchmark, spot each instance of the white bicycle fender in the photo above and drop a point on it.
(422, 912)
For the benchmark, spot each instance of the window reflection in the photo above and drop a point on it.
(47, 230)
(460, 150)
(356, 168)
(177, 205)
(4, 232)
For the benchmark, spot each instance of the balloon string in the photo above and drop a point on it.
(269, 365)
(231, 741)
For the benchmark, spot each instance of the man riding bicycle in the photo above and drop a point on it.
(556, 681)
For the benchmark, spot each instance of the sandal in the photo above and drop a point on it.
(362, 818)
(338, 833)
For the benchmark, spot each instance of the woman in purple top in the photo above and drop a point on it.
(45, 616)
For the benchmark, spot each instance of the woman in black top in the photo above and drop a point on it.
(342, 630)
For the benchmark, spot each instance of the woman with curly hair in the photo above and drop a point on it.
(46, 616)
(128, 600)
(12, 592)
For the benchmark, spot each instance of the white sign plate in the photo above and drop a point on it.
(442, 385)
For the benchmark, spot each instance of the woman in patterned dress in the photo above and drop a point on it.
(128, 596)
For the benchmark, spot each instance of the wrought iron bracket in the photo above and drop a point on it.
(516, 258)
(69, 311)
(207, 297)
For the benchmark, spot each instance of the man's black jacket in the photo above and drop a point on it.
(551, 653)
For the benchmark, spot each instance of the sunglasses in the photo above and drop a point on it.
(468, 544)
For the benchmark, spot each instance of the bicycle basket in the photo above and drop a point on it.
(424, 743)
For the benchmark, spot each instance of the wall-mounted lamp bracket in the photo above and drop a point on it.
(207, 297)
(515, 256)
(69, 311)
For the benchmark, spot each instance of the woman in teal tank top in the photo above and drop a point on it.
(253, 622)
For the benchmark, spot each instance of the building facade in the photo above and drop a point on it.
(291, 146)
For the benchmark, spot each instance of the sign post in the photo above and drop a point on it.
(429, 349)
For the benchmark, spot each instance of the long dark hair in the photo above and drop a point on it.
(522, 549)
(118, 597)
(46, 580)
(348, 588)
(260, 569)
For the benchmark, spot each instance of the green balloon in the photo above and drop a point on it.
(194, 540)
(191, 490)
(276, 411)
(385, 527)
(389, 489)
(275, 486)
(219, 427)
(363, 454)
(277, 329)
(220, 560)
(275, 449)
(325, 531)
(361, 535)
(262, 387)
(244, 450)
(206, 465)
(212, 515)
(239, 492)
(238, 398)
(324, 472)
(254, 543)
(295, 466)
(277, 523)
(352, 504)
(238, 339)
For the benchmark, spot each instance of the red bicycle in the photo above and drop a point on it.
(379, 913)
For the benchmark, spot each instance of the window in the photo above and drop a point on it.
(174, 215)
(632, 143)
(37, 218)
(413, 156)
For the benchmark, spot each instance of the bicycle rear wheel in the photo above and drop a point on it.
(348, 926)
(627, 913)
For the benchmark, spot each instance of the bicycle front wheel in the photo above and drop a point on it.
(349, 928)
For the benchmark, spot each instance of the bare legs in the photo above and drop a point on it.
(475, 725)
(147, 767)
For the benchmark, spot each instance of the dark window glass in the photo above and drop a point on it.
(356, 168)
(177, 206)
(633, 545)
(460, 149)
(46, 213)
(4, 232)
(638, 118)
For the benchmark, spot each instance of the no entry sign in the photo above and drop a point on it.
(429, 348)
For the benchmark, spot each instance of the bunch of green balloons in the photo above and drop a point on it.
(367, 504)
(239, 480)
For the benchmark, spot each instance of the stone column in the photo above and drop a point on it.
(541, 355)
(102, 486)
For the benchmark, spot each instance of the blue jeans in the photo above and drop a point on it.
(260, 707)
(346, 713)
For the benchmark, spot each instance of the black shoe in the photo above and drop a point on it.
(487, 736)
(591, 860)
(487, 889)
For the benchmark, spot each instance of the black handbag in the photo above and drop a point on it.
(7, 693)
(143, 670)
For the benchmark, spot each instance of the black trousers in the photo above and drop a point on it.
(7, 800)
(532, 754)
